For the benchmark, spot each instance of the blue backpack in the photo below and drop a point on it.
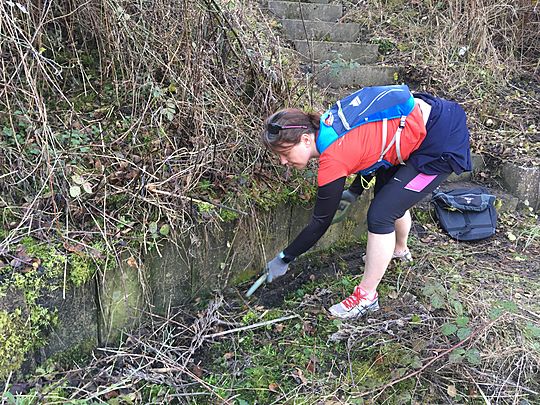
(466, 214)
(369, 104)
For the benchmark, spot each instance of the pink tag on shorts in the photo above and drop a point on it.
(420, 182)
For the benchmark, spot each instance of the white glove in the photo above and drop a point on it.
(276, 267)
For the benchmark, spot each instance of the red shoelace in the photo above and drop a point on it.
(354, 299)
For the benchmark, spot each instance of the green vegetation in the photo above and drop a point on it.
(15, 341)
(35, 274)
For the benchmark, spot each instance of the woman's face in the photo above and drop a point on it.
(297, 155)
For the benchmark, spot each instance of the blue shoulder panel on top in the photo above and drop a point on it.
(327, 135)
(396, 111)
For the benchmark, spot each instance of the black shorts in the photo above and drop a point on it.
(396, 190)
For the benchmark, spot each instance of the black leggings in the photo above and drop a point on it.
(396, 190)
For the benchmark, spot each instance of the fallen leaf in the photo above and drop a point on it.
(451, 390)
(74, 191)
(298, 375)
(279, 327)
(95, 253)
(36, 263)
(132, 174)
(273, 387)
(132, 262)
(110, 395)
(73, 247)
(198, 371)
(87, 188)
(511, 237)
(308, 328)
(228, 355)
(77, 179)
(310, 366)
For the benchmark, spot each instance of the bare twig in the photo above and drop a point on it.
(249, 327)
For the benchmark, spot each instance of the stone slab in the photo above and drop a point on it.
(306, 11)
(214, 256)
(478, 165)
(353, 75)
(121, 299)
(523, 182)
(77, 319)
(321, 30)
(169, 274)
(350, 229)
(321, 51)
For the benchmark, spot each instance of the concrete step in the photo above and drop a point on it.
(321, 51)
(353, 75)
(321, 30)
(306, 11)
(523, 182)
(478, 164)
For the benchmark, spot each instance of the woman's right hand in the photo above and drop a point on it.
(347, 198)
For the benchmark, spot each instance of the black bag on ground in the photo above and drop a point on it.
(466, 213)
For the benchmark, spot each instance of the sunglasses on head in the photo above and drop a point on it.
(275, 128)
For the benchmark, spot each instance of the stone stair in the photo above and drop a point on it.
(336, 57)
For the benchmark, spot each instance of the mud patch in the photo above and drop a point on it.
(310, 270)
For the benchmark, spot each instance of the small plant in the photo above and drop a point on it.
(436, 294)
(79, 182)
(157, 230)
(459, 327)
(74, 140)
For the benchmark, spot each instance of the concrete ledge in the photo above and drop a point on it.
(321, 30)
(523, 182)
(478, 165)
(321, 51)
(306, 11)
(337, 75)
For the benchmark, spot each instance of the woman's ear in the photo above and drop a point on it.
(307, 138)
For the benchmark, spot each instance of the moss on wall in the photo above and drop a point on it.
(31, 272)
(15, 341)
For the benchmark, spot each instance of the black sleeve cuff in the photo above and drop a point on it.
(286, 258)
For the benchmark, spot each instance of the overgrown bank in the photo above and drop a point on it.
(484, 54)
(123, 126)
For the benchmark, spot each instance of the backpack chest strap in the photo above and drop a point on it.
(342, 117)
(395, 140)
